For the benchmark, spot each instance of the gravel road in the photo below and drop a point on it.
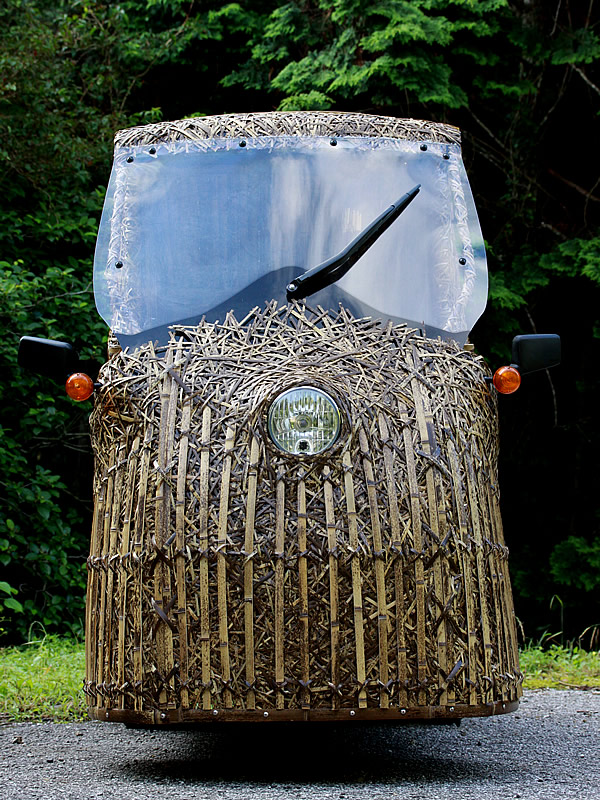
(548, 749)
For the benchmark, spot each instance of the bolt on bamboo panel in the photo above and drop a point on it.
(227, 576)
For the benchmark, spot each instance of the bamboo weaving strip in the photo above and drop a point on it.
(222, 568)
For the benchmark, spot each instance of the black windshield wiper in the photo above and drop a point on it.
(334, 268)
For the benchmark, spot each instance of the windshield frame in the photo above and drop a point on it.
(116, 296)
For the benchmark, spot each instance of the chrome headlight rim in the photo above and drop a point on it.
(330, 396)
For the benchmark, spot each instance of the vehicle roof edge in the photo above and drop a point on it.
(293, 123)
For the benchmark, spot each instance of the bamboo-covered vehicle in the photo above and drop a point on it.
(296, 493)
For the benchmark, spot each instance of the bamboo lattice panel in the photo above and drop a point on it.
(226, 575)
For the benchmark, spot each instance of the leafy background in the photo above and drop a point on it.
(520, 78)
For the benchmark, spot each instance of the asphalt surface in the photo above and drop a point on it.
(549, 748)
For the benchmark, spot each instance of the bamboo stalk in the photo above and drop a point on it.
(222, 567)
(279, 590)
(303, 589)
(382, 615)
(334, 622)
(359, 634)
(249, 574)
(203, 565)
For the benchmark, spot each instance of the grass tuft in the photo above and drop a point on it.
(42, 680)
(559, 667)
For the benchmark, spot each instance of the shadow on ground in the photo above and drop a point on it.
(303, 754)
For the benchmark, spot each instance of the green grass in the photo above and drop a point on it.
(558, 667)
(42, 680)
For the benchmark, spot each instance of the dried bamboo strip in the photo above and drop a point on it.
(203, 565)
(92, 617)
(222, 568)
(303, 589)
(359, 633)
(181, 555)
(125, 539)
(417, 534)
(162, 576)
(334, 622)
(509, 690)
(138, 547)
(378, 554)
(102, 643)
(465, 556)
(390, 476)
(485, 689)
(279, 622)
(427, 435)
(495, 567)
(249, 574)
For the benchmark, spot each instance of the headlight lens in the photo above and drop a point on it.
(304, 421)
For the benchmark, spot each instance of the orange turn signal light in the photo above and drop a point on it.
(507, 379)
(79, 386)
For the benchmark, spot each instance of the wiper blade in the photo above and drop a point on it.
(317, 278)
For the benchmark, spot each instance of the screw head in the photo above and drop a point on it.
(423, 147)
(462, 261)
(243, 143)
(119, 265)
(446, 156)
(107, 715)
(152, 151)
(163, 716)
(266, 714)
(215, 712)
(129, 159)
(451, 708)
(353, 713)
(403, 711)
(333, 142)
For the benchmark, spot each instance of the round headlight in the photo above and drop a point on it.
(304, 421)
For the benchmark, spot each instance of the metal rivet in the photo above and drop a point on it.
(333, 142)
(129, 159)
(215, 712)
(451, 708)
(462, 261)
(163, 716)
(266, 714)
(403, 711)
(353, 713)
(119, 265)
(107, 715)
(503, 705)
(446, 156)
(423, 147)
(243, 143)
(152, 151)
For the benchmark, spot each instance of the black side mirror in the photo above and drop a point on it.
(532, 352)
(48, 357)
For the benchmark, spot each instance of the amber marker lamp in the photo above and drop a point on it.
(507, 379)
(79, 386)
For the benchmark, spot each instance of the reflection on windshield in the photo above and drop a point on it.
(273, 285)
(189, 229)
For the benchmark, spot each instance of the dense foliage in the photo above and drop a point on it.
(521, 78)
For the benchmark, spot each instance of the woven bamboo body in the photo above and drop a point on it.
(228, 580)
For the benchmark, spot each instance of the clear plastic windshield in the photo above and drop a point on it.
(193, 229)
